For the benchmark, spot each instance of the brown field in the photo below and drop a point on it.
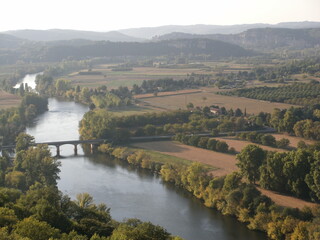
(225, 163)
(208, 97)
(238, 144)
(8, 100)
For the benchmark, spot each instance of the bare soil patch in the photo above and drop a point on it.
(8, 100)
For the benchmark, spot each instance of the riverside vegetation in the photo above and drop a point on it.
(32, 207)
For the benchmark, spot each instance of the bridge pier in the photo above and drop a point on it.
(58, 150)
(75, 149)
(91, 148)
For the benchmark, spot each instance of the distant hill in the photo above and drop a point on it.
(149, 32)
(59, 34)
(213, 48)
(75, 50)
(260, 39)
(10, 42)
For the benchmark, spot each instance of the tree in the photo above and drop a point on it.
(222, 146)
(190, 106)
(135, 229)
(203, 142)
(249, 161)
(212, 144)
(272, 176)
(7, 217)
(238, 113)
(283, 143)
(35, 230)
(268, 140)
(21, 90)
(24, 141)
(92, 106)
(84, 200)
(16, 179)
(37, 165)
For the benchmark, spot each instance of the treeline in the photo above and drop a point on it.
(264, 139)
(32, 207)
(297, 93)
(231, 196)
(204, 142)
(168, 84)
(295, 172)
(101, 124)
(301, 121)
(14, 120)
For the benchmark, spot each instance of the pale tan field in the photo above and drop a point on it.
(208, 97)
(238, 144)
(305, 77)
(293, 140)
(114, 79)
(163, 94)
(8, 100)
(224, 162)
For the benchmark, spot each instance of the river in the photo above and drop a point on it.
(130, 193)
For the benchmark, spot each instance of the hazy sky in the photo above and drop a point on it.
(104, 15)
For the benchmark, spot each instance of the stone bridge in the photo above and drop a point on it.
(58, 144)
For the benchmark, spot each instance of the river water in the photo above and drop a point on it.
(29, 79)
(130, 193)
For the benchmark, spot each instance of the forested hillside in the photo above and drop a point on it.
(261, 38)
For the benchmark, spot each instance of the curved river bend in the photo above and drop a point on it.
(130, 193)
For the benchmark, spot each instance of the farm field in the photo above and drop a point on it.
(8, 100)
(225, 163)
(163, 94)
(208, 97)
(114, 79)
